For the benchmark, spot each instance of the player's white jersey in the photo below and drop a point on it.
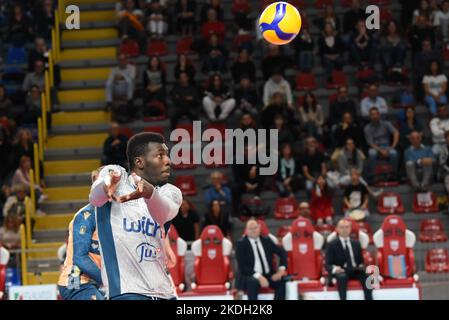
(131, 244)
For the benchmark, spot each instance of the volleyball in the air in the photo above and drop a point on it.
(280, 23)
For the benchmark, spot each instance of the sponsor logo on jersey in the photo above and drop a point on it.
(143, 225)
(147, 252)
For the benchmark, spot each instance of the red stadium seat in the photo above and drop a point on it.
(320, 4)
(303, 245)
(365, 74)
(155, 129)
(240, 7)
(395, 256)
(437, 260)
(218, 126)
(157, 48)
(4, 258)
(179, 247)
(212, 267)
(338, 80)
(432, 230)
(365, 227)
(390, 203)
(286, 208)
(380, 2)
(325, 229)
(128, 132)
(305, 81)
(332, 98)
(184, 46)
(425, 202)
(384, 176)
(385, 15)
(240, 40)
(130, 48)
(251, 202)
(283, 230)
(156, 105)
(446, 52)
(187, 185)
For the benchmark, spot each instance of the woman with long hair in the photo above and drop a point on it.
(217, 102)
(311, 115)
(435, 86)
(217, 217)
(393, 46)
(183, 64)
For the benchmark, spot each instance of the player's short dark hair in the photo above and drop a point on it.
(138, 145)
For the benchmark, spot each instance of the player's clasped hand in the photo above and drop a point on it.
(144, 189)
(111, 183)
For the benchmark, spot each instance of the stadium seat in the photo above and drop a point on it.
(432, 230)
(212, 267)
(156, 105)
(283, 230)
(395, 256)
(365, 74)
(380, 2)
(390, 203)
(338, 80)
(332, 98)
(242, 41)
(446, 52)
(325, 229)
(286, 208)
(303, 245)
(385, 176)
(209, 160)
(130, 47)
(179, 247)
(425, 202)
(155, 129)
(187, 185)
(253, 203)
(320, 4)
(218, 126)
(16, 55)
(385, 15)
(365, 227)
(305, 81)
(184, 46)
(157, 48)
(4, 258)
(128, 132)
(189, 128)
(437, 260)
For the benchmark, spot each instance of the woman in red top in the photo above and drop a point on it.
(321, 202)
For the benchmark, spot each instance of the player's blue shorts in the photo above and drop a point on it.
(87, 291)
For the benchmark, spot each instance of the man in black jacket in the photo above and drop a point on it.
(255, 263)
(344, 260)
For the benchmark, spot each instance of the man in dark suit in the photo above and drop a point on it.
(344, 260)
(255, 263)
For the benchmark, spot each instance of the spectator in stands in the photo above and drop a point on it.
(131, 23)
(424, 10)
(352, 16)
(247, 121)
(438, 126)
(304, 54)
(328, 16)
(286, 180)
(421, 65)
(241, 9)
(39, 52)
(187, 222)
(356, 197)
(321, 202)
(20, 28)
(211, 4)
(10, 232)
(435, 86)
(347, 129)
(304, 210)
(331, 50)
(419, 32)
(286, 134)
(277, 83)
(154, 81)
(444, 162)
(213, 26)
(156, 17)
(362, 45)
(407, 125)
(185, 13)
(15, 203)
(246, 98)
(382, 138)
(310, 114)
(341, 105)
(217, 102)
(6, 106)
(273, 61)
(33, 108)
(393, 47)
(215, 56)
(218, 190)
(441, 20)
(217, 217)
(344, 261)
(255, 256)
(44, 19)
(35, 78)
(313, 163)
(277, 106)
(350, 157)
(185, 100)
(23, 146)
(114, 147)
(419, 158)
(243, 66)
(183, 64)
(373, 100)
(22, 177)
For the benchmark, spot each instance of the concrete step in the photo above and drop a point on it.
(43, 277)
(69, 168)
(89, 35)
(50, 235)
(82, 57)
(51, 222)
(73, 153)
(73, 179)
(35, 265)
(81, 95)
(77, 117)
(72, 44)
(81, 106)
(64, 206)
(67, 193)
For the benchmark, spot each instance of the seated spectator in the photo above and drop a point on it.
(277, 106)
(217, 103)
(362, 45)
(330, 50)
(246, 98)
(321, 202)
(341, 106)
(185, 13)
(247, 121)
(213, 26)
(22, 177)
(114, 147)
(344, 261)
(274, 61)
(393, 47)
(6, 106)
(216, 216)
(347, 129)
(154, 81)
(373, 100)
(20, 29)
(183, 64)
(304, 210)
(185, 100)
(424, 10)
(286, 134)
(243, 66)
(349, 158)
(438, 126)
(441, 20)
(382, 138)
(356, 198)
(218, 190)
(275, 84)
(419, 158)
(241, 9)
(35, 78)
(313, 164)
(328, 16)
(444, 162)
(435, 86)
(10, 232)
(409, 124)
(215, 56)
(33, 108)
(45, 19)
(39, 52)
(255, 256)
(420, 31)
(15, 203)
(311, 116)
(131, 23)
(286, 180)
(23, 147)
(421, 65)
(156, 17)
(350, 18)
(211, 4)
(304, 46)
(187, 222)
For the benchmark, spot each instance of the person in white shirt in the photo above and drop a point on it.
(435, 85)
(438, 127)
(277, 83)
(373, 100)
(441, 20)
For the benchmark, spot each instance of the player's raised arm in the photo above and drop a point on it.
(104, 187)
